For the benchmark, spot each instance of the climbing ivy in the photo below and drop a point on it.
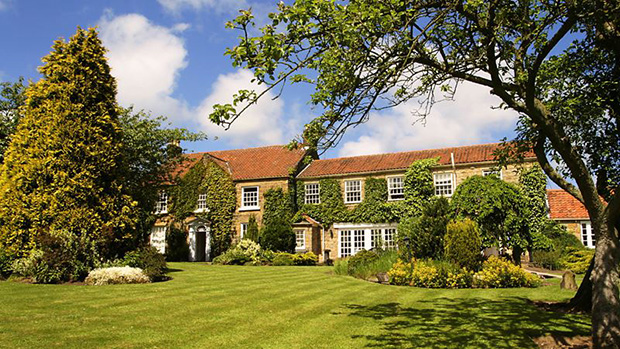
(418, 185)
(533, 186)
(206, 177)
(277, 206)
(375, 207)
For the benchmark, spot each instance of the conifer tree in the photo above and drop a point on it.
(62, 175)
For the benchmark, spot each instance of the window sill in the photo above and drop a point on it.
(391, 200)
(159, 213)
(201, 210)
(245, 209)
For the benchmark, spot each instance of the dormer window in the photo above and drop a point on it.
(161, 205)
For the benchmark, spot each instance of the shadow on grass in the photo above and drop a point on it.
(173, 270)
(506, 323)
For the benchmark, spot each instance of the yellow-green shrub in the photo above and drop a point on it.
(499, 273)
(430, 274)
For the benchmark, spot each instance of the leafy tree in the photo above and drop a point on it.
(150, 152)
(499, 209)
(252, 233)
(366, 55)
(61, 175)
(12, 97)
(426, 232)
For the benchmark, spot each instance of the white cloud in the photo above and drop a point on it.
(467, 120)
(261, 124)
(146, 60)
(221, 6)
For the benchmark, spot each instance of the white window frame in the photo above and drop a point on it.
(391, 188)
(299, 239)
(161, 205)
(312, 196)
(348, 190)
(490, 171)
(160, 242)
(201, 203)
(243, 229)
(244, 206)
(353, 238)
(440, 186)
(586, 234)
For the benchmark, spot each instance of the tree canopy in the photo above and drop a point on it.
(368, 55)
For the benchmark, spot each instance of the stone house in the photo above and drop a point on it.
(569, 212)
(256, 170)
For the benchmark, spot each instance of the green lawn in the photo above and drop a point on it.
(226, 306)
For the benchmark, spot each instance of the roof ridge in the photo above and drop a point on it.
(410, 151)
(239, 149)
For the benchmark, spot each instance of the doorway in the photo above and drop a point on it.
(201, 243)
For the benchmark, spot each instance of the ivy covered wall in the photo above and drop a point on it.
(375, 207)
(208, 178)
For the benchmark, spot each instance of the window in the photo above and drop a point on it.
(587, 236)
(202, 203)
(243, 230)
(443, 184)
(352, 192)
(161, 205)
(158, 239)
(395, 188)
(249, 198)
(490, 171)
(300, 239)
(312, 193)
(352, 239)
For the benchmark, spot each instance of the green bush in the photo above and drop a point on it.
(307, 258)
(341, 267)
(283, 258)
(361, 258)
(147, 258)
(577, 259)
(252, 232)
(500, 273)
(463, 244)
(430, 274)
(178, 248)
(562, 243)
(426, 232)
(547, 259)
(245, 252)
(116, 276)
(6, 260)
(278, 235)
(62, 256)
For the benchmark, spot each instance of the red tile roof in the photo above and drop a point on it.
(562, 205)
(399, 161)
(252, 163)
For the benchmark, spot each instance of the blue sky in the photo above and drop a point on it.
(168, 58)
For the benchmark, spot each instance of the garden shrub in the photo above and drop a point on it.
(562, 243)
(463, 244)
(426, 232)
(117, 275)
(366, 264)
(245, 252)
(430, 274)
(147, 258)
(341, 267)
(307, 258)
(278, 235)
(577, 259)
(252, 233)
(500, 273)
(547, 259)
(6, 260)
(178, 248)
(62, 256)
(283, 258)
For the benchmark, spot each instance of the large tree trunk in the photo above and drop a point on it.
(605, 297)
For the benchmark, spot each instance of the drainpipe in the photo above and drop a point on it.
(453, 170)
